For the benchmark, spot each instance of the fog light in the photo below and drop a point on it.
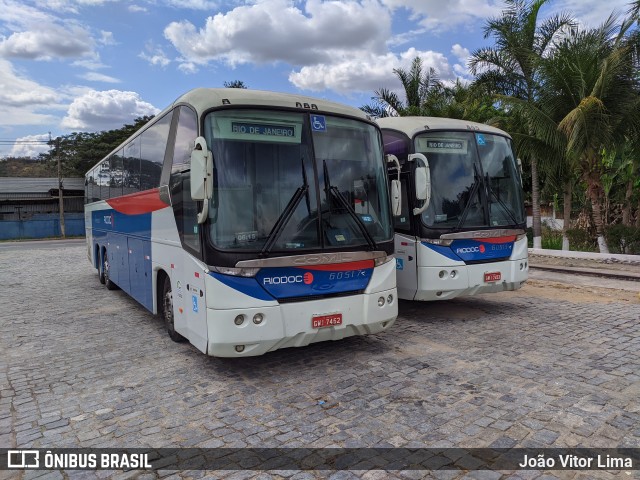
(390, 299)
(453, 274)
(442, 274)
(438, 294)
(239, 348)
(257, 318)
(381, 302)
(521, 266)
(239, 320)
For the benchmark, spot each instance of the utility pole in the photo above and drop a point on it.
(60, 194)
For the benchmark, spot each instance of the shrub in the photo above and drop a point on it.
(581, 240)
(623, 239)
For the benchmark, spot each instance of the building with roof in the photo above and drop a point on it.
(29, 207)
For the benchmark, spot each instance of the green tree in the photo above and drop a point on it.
(418, 84)
(235, 84)
(510, 67)
(592, 97)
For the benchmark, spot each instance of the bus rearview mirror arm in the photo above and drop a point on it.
(422, 181)
(201, 176)
(396, 189)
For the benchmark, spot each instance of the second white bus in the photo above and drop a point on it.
(462, 230)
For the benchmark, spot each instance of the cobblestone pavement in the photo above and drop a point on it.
(83, 366)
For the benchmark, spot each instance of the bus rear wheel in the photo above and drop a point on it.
(167, 311)
(105, 273)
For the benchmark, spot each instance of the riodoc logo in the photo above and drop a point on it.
(479, 249)
(307, 279)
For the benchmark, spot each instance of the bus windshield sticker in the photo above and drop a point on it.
(318, 123)
(480, 139)
(456, 146)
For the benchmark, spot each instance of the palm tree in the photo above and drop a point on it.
(511, 66)
(593, 94)
(418, 85)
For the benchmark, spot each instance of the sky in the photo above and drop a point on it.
(92, 65)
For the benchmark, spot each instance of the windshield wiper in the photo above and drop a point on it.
(500, 201)
(474, 190)
(343, 202)
(286, 215)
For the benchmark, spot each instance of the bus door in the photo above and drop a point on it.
(406, 266)
(195, 306)
(405, 245)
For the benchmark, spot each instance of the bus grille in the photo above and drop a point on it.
(319, 297)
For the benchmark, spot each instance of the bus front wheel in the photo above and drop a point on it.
(167, 311)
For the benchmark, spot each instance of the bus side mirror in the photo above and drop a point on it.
(201, 176)
(396, 198)
(201, 171)
(422, 179)
(396, 190)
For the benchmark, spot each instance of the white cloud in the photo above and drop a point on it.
(193, 4)
(103, 110)
(366, 72)
(277, 30)
(30, 146)
(98, 77)
(462, 54)
(52, 41)
(155, 56)
(136, 8)
(438, 15)
(18, 91)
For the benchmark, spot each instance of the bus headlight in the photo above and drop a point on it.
(381, 302)
(257, 318)
(239, 320)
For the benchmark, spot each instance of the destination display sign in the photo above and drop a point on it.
(263, 129)
(256, 130)
(441, 145)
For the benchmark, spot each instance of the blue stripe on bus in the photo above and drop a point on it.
(470, 250)
(129, 251)
(246, 285)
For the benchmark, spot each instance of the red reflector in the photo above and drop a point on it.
(172, 266)
(404, 244)
(196, 274)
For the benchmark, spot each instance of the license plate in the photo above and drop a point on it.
(492, 277)
(321, 321)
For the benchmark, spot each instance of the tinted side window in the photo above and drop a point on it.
(153, 143)
(185, 209)
(104, 178)
(395, 143)
(131, 183)
(117, 174)
(186, 133)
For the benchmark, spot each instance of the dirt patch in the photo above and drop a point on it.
(574, 293)
(608, 264)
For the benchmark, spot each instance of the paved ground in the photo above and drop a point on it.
(547, 366)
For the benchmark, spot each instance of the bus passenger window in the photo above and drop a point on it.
(152, 148)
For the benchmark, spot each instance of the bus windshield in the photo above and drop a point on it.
(289, 181)
(474, 180)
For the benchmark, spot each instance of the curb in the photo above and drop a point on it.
(617, 275)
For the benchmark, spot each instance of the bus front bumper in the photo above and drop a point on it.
(290, 324)
(444, 283)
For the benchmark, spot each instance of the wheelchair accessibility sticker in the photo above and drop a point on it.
(194, 301)
(399, 264)
(318, 123)
(480, 139)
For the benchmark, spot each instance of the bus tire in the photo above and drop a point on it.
(105, 273)
(167, 311)
(100, 269)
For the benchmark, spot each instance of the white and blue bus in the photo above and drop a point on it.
(250, 221)
(462, 228)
